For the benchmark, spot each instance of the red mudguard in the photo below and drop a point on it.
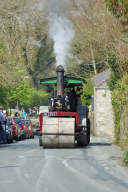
(59, 114)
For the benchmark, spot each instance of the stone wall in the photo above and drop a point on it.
(103, 113)
(91, 117)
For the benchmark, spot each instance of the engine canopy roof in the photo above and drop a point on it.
(68, 81)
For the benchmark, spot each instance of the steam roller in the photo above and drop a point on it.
(66, 123)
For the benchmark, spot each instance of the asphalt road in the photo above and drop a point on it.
(27, 167)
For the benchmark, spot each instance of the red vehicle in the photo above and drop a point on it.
(16, 129)
(26, 129)
(30, 126)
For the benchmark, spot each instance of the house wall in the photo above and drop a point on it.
(103, 113)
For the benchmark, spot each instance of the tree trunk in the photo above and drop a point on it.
(93, 60)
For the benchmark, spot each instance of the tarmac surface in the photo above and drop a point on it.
(28, 167)
(114, 149)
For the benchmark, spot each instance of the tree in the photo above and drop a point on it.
(9, 69)
(3, 96)
(44, 60)
(25, 95)
(120, 9)
(23, 28)
(87, 93)
(118, 82)
(118, 61)
(97, 34)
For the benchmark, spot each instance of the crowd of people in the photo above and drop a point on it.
(34, 112)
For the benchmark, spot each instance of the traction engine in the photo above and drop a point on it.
(66, 120)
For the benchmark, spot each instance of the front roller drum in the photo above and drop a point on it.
(59, 126)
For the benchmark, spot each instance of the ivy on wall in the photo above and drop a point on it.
(120, 108)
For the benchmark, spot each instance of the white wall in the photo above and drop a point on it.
(103, 113)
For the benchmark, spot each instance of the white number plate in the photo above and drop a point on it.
(49, 114)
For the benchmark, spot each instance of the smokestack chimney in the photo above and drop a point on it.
(60, 80)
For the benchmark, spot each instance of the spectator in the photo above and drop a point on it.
(52, 96)
(30, 112)
(34, 111)
(12, 115)
(2, 125)
(16, 114)
(37, 111)
(72, 99)
(78, 100)
(4, 112)
(24, 114)
(22, 109)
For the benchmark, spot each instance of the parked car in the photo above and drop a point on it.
(30, 126)
(9, 131)
(16, 129)
(20, 123)
(25, 128)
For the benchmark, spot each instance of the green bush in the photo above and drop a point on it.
(125, 159)
(87, 93)
(120, 109)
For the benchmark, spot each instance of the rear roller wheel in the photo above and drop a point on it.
(82, 140)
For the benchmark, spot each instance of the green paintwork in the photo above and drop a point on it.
(67, 80)
(48, 81)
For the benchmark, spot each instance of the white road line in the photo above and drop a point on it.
(6, 182)
(27, 176)
(21, 157)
